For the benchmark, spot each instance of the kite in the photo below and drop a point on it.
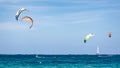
(87, 37)
(109, 34)
(19, 12)
(29, 19)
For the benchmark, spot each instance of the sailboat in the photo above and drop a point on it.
(98, 51)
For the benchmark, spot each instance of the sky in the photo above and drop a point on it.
(60, 26)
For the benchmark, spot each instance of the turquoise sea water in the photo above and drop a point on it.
(60, 61)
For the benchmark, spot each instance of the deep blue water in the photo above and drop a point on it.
(60, 61)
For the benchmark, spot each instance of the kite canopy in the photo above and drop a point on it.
(19, 12)
(109, 34)
(29, 19)
(87, 37)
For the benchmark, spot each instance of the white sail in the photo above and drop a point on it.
(98, 51)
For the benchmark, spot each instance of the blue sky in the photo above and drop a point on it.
(60, 27)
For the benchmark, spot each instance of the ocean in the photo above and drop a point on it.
(60, 61)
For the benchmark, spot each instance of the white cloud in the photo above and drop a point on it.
(12, 26)
(75, 17)
(79, 17)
